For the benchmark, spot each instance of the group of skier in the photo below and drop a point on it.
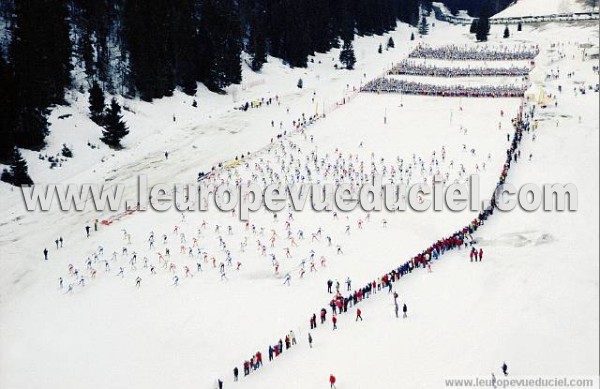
(257, 103)
(291, 164)
(462, 238)
(475, 53)
(393, 85)
(413, 68)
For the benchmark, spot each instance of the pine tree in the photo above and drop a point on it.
(427, 7)
(257, 40)
(115, 128)
(31, 127)
(506, 32)
(380, 49)
(423, 26)
(150, 42)
(412, 36)
(41, 51)
(483, 25)
(222, 31)
(7, 111)
(18, 174)
(97, 103)
(473, 28)
(391, 44)
(95, 19)
(346, 21)
(40, 55)
(519, 26)
(408, 12)
(347, 57)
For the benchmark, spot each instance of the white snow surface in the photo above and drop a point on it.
(532, 302)
(544, 7)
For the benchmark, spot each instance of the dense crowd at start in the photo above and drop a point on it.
(422, 69)
(466, 53)
(388, 85)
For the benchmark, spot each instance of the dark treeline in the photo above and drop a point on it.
(148, 48)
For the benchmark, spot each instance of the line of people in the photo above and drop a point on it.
(274, 351)
(391, 85)
(485, 53)
(257, 103)
(422, 69)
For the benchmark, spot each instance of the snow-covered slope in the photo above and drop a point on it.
(544, 7)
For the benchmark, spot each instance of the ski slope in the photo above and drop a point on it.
(543, 8)
(532, 301)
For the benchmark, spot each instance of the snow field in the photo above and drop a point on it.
(464, 318)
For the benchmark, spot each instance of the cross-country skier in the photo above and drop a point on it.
(331, 381)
